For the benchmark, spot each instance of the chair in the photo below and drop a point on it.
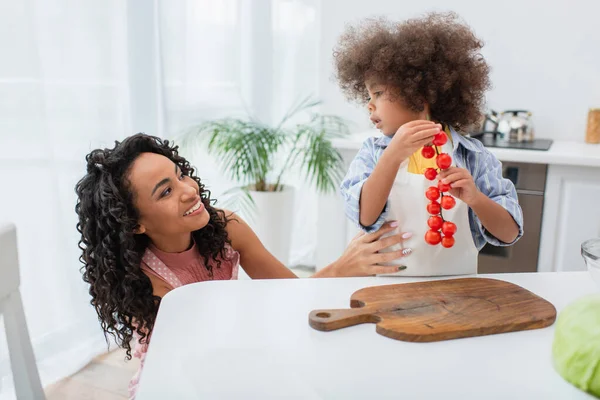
(22, 360)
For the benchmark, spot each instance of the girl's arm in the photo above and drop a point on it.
(492, 197)
(357, 206)
(495, 219)
(377, 187)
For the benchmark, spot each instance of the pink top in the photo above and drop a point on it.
(178, 269)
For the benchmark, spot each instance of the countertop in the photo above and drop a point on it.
(562, 152)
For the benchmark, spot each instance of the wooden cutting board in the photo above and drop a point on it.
(441, 310)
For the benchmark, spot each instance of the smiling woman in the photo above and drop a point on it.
(132, 196)
(171, 208)
(148, 226)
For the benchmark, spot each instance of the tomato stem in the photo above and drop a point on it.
(437, 153)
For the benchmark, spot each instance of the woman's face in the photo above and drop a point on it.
(168, 202)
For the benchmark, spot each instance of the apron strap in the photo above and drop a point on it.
(159, 268)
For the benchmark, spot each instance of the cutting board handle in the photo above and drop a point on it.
(330, 320)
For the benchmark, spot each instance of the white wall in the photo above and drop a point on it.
(545, 55)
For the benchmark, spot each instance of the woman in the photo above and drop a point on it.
(148, 225)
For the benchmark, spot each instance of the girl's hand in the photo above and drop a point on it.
(362, 257)
(462, 184)
(411, 136)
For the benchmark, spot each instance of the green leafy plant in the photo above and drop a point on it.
(257, 155)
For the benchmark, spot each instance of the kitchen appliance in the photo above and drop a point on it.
(516, 126)
(441, 310)
(590, 251)
(510, 129)
(530, 182)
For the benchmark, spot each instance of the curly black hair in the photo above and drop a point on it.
(111, 250)
(435, 59)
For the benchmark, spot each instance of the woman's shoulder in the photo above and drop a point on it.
(159, 287)
(237, 229)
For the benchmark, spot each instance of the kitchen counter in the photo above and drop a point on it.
(562, 152)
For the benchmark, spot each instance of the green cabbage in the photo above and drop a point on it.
(576, 347)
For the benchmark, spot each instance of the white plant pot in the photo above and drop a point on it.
(273, 219)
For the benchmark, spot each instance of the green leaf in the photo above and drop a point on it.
(247, 150)
(321, 162)
(244, 149)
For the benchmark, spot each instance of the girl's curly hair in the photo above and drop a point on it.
(435, 60)
(111, 251)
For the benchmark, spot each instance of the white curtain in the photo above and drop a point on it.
(219, 60)
(79, 74)
(63, 90)
(296, 74)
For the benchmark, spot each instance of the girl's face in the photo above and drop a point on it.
(389, 112)
(167, 201)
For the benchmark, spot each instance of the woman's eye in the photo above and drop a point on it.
(166, 192)
(377, 94)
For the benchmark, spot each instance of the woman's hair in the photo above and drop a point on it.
(111, 252)
(435, 60)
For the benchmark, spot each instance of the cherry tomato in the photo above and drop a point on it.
(444, 187)
(447, 241)
(435, 222)
(448, 228)
(434, 208)
(443, 161)
(430, 173)
(432, 193)
(428, 152)
(433, 237)
(440, 139)
(448, 202)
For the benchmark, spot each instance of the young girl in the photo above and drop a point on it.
(147, 227)
(424, 81)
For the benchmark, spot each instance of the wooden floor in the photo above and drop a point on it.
(105, 378)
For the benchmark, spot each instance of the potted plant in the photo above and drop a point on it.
(258, 157)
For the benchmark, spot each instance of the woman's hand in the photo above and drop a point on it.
(362, 257)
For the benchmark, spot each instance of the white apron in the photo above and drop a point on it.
(407, 204)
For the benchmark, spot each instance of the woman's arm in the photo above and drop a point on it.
(361, 258)
(254, 257)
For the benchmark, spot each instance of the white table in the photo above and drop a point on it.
(251, 340)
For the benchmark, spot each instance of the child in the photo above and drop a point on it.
(424, 81)
(148, 226)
